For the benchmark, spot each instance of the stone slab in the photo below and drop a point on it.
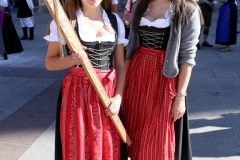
(12, 151)
(226, 73)
(40, 105)
(213, 138)
(24, 128)
(44, 145)
(53, 90)
(18, 96)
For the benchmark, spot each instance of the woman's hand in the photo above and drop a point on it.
(126, 16)
(178, 108)
(114, 107)
(78, 58)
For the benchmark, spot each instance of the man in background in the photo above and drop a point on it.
(207, 9)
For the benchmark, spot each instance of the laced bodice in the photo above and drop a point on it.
(153, 37)
(99, 53)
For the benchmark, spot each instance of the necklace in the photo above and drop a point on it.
(162, 9)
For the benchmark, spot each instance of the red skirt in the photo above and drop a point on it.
(86, 132)
(147, 101)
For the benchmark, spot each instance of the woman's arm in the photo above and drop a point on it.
(53, 61)
(183, 79)
(187, 53)
(119, 65)
(178, 107)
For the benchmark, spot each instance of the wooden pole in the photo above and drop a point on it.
(75, 46)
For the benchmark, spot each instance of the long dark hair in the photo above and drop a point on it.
(181, 10)
(71, 7)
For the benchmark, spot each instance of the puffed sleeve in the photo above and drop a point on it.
(121, 31)
(53, 36)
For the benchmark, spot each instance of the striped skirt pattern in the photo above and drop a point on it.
(86, 132)
(147, 101)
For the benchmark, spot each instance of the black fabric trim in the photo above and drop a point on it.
(23, 10)
(183, 150)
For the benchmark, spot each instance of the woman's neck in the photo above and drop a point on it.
(92, 13)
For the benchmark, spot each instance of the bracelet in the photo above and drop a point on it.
(180, 99)
(184, 95)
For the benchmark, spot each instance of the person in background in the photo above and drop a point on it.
(160, 56)
(238, 5)
(226, 32)
(207, 9)
(3, 54)
(114, 6)
(25, 13)
(126, 17)
(127, 12)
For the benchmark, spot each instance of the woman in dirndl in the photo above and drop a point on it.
(226, 32)
(161, 51)
(86, 130)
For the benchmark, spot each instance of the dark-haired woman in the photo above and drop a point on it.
(86, 130)
(160, 57)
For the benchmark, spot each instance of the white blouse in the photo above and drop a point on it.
(114, 2)
(88, 36)
(3, 3)
(159, 23)
(30, 4)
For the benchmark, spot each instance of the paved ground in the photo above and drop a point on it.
(28, 100)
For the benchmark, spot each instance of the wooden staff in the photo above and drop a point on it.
(75, 46)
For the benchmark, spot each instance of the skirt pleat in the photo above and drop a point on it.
(86, 132)
(147, 101)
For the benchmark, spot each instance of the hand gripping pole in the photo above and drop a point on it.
(75, 46)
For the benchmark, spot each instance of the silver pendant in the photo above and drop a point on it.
(161, 9)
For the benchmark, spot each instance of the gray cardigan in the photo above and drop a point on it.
(181, 47)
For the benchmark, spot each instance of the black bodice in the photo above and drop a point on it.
(99, 53)
(153, 37)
